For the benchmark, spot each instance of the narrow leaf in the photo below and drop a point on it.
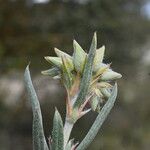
(99, 121)
(39, 142)
(57, 132)
(87, 73)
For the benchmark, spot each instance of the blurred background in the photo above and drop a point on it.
(29, 29)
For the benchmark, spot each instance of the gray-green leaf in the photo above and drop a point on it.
(99, 121)
(57, 132)
(39, 142)
(87, 73)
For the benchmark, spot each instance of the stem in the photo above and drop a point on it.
(67, 131)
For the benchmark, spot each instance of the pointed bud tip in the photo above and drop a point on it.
(46, 57)
(55, 49)
(110, 75)
(56, 110)
(103, 47)
(95, 35)
(44, 72)
(119, 76)
(75, 42)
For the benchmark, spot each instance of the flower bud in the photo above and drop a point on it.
(60, 53)
(79, 57)
(54, 60)
(98, 57)
(67, 75)
(98, 92)
(102, 68)
(94, 102)
(110, 75)
(104, 85)
(106, 92)
(51, 72)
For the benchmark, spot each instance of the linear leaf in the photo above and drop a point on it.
(99, 121)
(87, 73)
(57, 132)
(39, 142)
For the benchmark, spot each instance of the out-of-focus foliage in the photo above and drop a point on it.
(29, 31)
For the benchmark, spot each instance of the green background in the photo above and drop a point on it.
(29, 31)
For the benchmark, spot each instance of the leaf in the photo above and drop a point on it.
(57, 132)
(39, 142)
(79, 57)
(99, 121)
(87, 73)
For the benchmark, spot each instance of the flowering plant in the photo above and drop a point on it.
(90, 85)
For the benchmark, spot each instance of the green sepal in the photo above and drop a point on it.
(87, 74)
(51, 72)
(98, 58)
(60, 53)
(57, 132)
(67, 75)
(106, 92)
(110, 75)
(94, 102)
(56, 61)
(39, 142)
(79, 57)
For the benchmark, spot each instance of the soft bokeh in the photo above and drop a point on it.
(29, 29)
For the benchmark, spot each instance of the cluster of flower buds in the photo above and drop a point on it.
(89, 84)
(70, 70)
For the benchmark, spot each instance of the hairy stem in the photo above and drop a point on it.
(67, 130)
